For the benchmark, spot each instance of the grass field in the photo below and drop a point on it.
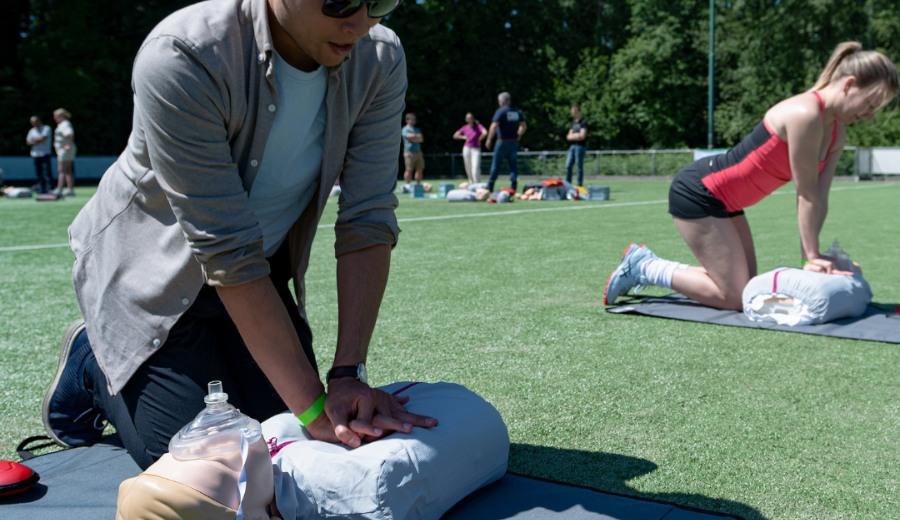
(506, 300)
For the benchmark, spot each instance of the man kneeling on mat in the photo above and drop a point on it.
(799, 138)
(246, 112)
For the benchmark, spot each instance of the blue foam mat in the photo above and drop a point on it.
(881, 322)
(81, 484)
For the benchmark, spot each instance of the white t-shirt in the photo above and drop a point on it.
(289, 170)
(63, 135)
(43, 148)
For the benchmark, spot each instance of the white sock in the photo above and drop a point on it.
(659, 272)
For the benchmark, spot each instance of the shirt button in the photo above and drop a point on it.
(254, 163)
(185, 301)
(157, 342)
(271, 108)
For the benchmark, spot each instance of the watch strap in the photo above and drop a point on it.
(342, 371)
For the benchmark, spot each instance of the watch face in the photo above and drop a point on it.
(361, 373)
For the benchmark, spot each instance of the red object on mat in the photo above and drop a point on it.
(15, 478)
(556, 181)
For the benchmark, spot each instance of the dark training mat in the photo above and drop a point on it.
(82, 483)
(879, 323)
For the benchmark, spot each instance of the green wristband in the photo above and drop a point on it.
(313, 412)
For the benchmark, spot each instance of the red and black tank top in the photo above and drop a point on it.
(757, 166)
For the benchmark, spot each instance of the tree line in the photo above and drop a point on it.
(638, 68)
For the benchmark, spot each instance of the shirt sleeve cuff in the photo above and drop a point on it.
(241, 271)
(357, 236)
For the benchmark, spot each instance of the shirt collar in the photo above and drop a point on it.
(256, 11)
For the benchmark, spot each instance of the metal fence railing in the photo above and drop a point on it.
(552, 163)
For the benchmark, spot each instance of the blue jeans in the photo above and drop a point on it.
(576, 153)
(43, 172)
(505, 150)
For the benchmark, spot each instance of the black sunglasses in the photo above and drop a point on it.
(347, 8)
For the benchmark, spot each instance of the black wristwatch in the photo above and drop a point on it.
(357, 371)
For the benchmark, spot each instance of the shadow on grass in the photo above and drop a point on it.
(610, 473)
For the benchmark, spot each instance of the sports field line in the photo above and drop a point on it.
(10, 249)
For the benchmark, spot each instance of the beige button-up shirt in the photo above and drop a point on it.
(172, 214)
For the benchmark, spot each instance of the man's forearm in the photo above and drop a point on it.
(361, 279)
(270, 336)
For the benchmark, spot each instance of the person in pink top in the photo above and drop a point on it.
(473, 133)
(800, 139)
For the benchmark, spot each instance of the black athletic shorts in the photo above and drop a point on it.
(689, 198)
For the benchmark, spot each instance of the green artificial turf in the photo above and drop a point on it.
(506, 300)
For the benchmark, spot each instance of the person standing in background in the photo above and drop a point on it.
(509, 123)
(413, 159)
(473, 133)
(577, 139)
(39, 140)
(64, 143)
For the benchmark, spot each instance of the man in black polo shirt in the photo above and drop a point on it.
(510, 124)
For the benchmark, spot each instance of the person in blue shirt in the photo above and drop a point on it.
(508, 125)
(413, 160)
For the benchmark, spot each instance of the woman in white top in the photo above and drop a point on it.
(64, 143)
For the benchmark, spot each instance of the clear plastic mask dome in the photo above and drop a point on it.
(217, 431)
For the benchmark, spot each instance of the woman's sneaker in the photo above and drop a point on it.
(628, 274)
(68, 408)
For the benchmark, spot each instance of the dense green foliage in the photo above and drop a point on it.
(638, 66)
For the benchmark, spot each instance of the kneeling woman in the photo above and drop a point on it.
(799, 138)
